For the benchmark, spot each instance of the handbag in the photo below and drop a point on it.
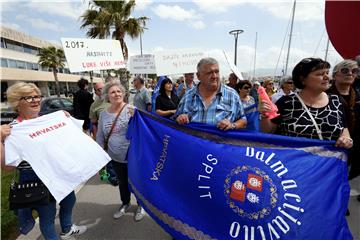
(106, 142)
(28, 194)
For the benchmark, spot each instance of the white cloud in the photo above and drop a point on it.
(304, 11)
(142, 4)
(216, 5)
(180, 14)
(175, 12)
(71, 10)
(41, 24)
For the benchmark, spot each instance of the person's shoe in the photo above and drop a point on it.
(122, 210)
(358, 198)
(347, 212)
(74, 231)
(140, 213)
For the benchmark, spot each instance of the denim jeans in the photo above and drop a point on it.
(46, 213)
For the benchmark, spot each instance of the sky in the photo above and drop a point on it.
(203, 24)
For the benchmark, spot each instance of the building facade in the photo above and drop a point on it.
(19, 62)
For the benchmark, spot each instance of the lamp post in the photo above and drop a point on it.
(141, 52)
(236, 34)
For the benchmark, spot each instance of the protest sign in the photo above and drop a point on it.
(177, 61)
(84, 54)
(142, 64)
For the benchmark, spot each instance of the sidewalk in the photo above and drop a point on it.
(97, 201)
(95, 206)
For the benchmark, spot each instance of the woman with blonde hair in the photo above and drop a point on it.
(25, 99)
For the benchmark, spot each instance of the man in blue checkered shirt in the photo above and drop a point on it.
(210, 101)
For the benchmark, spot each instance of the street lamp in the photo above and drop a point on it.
(141, 40)
(236, 34)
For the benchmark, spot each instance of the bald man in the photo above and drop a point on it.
(97, 107)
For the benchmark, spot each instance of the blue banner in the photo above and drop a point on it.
(201, 183)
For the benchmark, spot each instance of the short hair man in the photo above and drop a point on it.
(286, 88)
(186, 85)
(81, 102)
(211, 102)
(142, 98)
(97, 107)
(233, 80)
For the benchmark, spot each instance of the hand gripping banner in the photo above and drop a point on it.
(201, 183)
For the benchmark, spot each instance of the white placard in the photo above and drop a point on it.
(84, 54)
(178, 61)
(233, 67)
(142, 64)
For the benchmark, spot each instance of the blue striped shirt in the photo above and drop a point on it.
(225, 105)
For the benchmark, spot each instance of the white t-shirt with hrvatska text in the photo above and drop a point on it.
(55, 146)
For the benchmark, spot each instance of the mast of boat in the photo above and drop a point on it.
(290, 37)
(255, 55)
(327, 48)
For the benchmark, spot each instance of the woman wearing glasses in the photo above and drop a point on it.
(310, 113)
(344, 74)
(25, 98)
(250, 106)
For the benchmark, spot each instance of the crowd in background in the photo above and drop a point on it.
(312, 103)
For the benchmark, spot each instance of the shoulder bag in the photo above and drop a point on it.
(106, 142)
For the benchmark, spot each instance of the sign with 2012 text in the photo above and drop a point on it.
(177, 61)
(84, 54)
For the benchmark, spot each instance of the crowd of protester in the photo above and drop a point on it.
(312, 103)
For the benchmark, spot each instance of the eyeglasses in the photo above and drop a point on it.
(289, 82)
(348, 70)
(30, 99)
(246, 88)
(98, 90)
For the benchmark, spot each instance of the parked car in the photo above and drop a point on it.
(48, 105)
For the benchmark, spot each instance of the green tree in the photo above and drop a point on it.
(53, 58)
(113, 18)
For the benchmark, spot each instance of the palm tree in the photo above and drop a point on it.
(53, 58)
(104, 16)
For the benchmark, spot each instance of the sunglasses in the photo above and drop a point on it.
(348, 70)
(246, 88)
(30, 99)
(98, 90)
(289, 82)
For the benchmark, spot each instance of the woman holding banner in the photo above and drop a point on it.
(111, 135)
(310, 113)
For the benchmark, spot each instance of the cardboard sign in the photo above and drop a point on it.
(178, 61)
(233, 67)
(84, 54)
(142, 64)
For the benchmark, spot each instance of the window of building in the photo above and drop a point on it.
(20, 64)
(3, 43)
(12, 63)
(10, 44)
(4, 62)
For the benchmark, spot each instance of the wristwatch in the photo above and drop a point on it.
(233, 126)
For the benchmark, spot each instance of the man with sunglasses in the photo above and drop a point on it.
(286, 88)
(344, 74)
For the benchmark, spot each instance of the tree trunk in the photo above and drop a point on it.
(57, 85)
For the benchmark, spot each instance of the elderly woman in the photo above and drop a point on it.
(111, 135)
(344, 74)
(324, 118)
(167, 101)
(269, 87)
(25, 99)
